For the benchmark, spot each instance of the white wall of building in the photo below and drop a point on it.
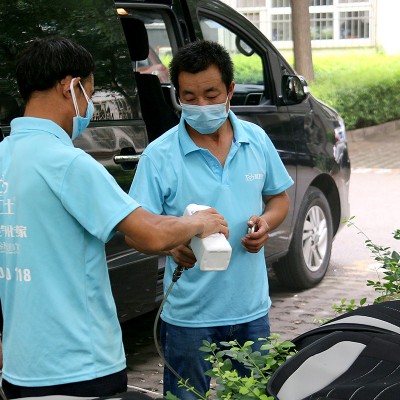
(388, 26)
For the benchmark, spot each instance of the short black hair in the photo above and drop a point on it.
(198, 56)
(44, 62)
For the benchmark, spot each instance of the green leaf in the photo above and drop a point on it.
(244, 390)
(170, 396)
(265, 397)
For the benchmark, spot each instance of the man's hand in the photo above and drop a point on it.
(254, 242)
(276, 209)
(213, 222)
(183, 255)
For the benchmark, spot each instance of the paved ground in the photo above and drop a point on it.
(374, 149)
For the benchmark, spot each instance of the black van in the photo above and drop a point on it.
(133, 105)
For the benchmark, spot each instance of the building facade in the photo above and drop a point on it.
(333, 23)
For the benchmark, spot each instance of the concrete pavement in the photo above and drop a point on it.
(375, 147)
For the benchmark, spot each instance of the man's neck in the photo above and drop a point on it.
(46, 107)
(218, 143)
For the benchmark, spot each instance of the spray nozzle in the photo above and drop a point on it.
(177, 273)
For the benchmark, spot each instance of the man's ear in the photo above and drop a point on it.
(65, 85)
(231, 89)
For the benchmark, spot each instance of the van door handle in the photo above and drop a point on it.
(127, 158)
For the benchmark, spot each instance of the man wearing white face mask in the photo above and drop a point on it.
(212, 158)
(61, 331)
(79, 123)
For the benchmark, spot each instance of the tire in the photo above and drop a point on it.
(310, 249)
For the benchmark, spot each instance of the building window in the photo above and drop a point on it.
(321, 3)
(250, 3)
(253, 17)
(280, 3)
(281, 27)
(321, 26)
(354, 25)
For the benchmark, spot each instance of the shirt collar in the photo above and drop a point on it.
(188, 146)
(31, 125)
(185, 140)
(240, 133)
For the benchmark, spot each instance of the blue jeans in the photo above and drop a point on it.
(181, 350)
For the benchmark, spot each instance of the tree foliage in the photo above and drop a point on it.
(91, 23)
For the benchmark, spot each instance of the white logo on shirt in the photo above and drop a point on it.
(254, 177)
(9, 231)
(3, 187)
(6, 204)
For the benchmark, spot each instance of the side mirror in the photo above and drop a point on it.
(294, 89)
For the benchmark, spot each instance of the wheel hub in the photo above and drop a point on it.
(314, 238)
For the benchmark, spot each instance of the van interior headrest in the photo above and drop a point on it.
(136, 36)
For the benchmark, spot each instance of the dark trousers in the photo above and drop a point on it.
(104, 386)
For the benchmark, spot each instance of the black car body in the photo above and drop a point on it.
(132, 109)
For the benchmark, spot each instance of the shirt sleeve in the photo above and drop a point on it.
(94, 198)
(146, 186)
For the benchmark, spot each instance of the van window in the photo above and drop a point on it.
(161, 42)
(248, 65)
(160, 52)
(97, 28)
(151, 39)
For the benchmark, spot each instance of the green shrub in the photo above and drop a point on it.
(361, 84)
(362, 87)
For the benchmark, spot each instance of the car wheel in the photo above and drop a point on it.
(310, 249)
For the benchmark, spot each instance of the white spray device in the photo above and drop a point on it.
(213, 252)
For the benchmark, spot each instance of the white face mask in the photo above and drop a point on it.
(79, 123)
(205, 119)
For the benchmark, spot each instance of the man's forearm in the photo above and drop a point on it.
(276, 209)
(155, 234)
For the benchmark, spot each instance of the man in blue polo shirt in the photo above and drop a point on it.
(212, 158)
(58, 207)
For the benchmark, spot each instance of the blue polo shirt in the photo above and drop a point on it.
(58, 207)
(174, 172)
